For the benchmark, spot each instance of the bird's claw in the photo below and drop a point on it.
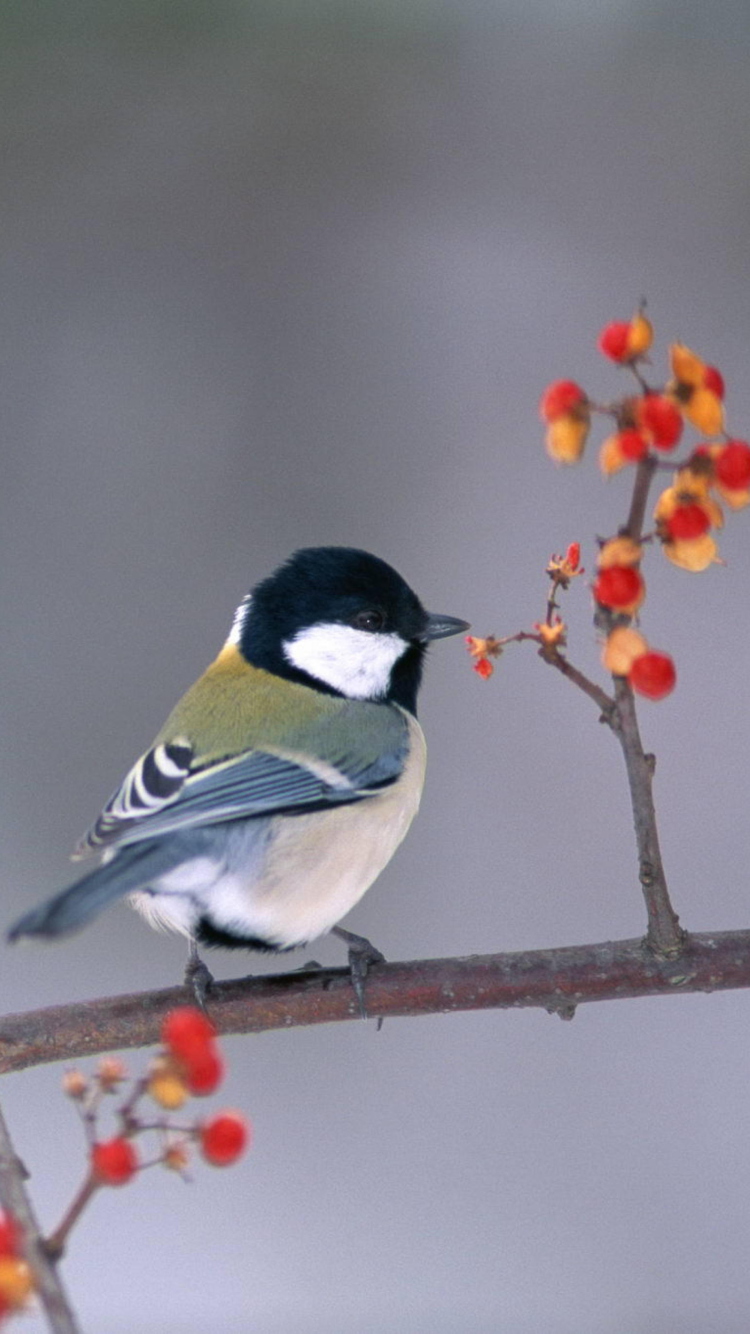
(362, 954)
(198, 978)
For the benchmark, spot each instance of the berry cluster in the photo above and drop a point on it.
(648, 425)
(16, 1278)
(189, 1064)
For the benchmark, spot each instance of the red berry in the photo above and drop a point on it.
(203, 1072)
(224, 1139)
(560, 397)
(618, 586)
(613, 340)
(187, 1032)
(660, 419)
(653, 675)
(714, 380)
(114, 1161)
(10, 1236)
(732, 465)
(688, 522)
(633, 445)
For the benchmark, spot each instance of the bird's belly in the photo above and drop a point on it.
(300, 875)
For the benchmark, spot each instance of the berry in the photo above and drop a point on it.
(732, 465)
(614, 340)
(560, 397)
(204, 1072)
(16, 1281)
(653, 675)
(619, 587)
(10, 1236)
(660, 419)
(633, 445)
(688, 522)
(187, 1032)
(224, 1139)
(713, 380)
(114, 1161)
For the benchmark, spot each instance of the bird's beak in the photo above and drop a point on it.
(439, 627)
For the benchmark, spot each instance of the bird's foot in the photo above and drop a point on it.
(198, 977)
(362, 954)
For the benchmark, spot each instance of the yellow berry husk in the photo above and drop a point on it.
(168, 1090)
(566, 437)
(640, 335)
(695, 484)
(694, 555)
(687, 366)
(705, 411)
(619, 551)
(16, 1280)
(621, 649)
(736, 500)
(611, 457)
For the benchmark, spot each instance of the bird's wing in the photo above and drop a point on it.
(162, 793)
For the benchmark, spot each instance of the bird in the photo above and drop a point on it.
(285, 778)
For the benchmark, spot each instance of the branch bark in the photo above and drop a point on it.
(15, 1200)
(556, 980)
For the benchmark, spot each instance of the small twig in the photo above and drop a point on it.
(600, 697)
(643, 475)
(15, 1200)
(55, 1243)
(665, 935)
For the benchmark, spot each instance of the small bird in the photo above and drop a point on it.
(283, 781)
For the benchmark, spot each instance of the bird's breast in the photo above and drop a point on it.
(317, 866)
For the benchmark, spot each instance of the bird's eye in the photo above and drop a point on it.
(372, 620)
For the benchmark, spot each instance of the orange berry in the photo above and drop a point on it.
(114, 1161)
(16, 1281)
(659, 419)
(633, 445)
(714, 380)
(560, 397)
(483, 667)
(619, 587)
(10, 1235)
(613, 340)
(204, 1072)
(186, 1031)
(224, 1138)
(653, 675)
(732, 465)
(688, 522)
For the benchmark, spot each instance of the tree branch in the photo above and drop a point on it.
(16, 1201)
(556, 980)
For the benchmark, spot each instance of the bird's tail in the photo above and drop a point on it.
(132, 868)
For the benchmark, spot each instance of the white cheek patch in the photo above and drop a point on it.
(356, 662)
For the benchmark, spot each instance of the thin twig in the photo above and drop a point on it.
(665, 934)
(552, 979)
(15, 1200)
(55, 1243)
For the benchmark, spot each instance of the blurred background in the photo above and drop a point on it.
(278, 274)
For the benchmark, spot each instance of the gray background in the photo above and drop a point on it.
(277, 274)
